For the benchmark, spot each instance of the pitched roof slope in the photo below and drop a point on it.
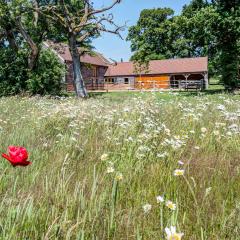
(63, 51)
(170, 66)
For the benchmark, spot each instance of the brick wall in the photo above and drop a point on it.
(93, 76)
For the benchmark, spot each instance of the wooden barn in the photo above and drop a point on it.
(160, 74)
(93, 67)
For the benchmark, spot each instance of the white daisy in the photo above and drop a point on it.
(147, 208)
(160, 199)
(110, 169)
(178, 172)
(119, 177)
(104, 157)
(172, 234)
(171, 205)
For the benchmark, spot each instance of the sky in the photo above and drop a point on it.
(128, 11)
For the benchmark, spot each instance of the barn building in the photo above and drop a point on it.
(93, 67)
(101, 74)
(163, 74)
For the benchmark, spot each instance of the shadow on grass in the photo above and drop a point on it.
(205, 92)
(214, 91)
(96, 94)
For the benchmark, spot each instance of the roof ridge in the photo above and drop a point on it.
(170, 59)
(103, 57)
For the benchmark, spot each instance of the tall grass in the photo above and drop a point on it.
(97, 163)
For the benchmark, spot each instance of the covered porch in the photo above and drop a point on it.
(197, 81)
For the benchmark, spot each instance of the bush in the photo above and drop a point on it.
(15, 78)
(13, 71)
(47, 76)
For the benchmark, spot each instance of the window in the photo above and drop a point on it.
(109, 80)
(126, 80)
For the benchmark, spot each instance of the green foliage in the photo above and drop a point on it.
(150, 37)
(227, 30)
(15, 77)
(13, 71)
(47, 76)
(193, 7)
(159, 34)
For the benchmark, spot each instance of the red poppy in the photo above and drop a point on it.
(18, 156)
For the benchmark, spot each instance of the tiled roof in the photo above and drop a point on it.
(171, 66)
(63, 51)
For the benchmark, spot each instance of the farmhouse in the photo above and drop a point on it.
(101, 74)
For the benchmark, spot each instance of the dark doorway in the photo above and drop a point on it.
(126, 80)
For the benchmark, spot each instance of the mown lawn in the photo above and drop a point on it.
(100, 165)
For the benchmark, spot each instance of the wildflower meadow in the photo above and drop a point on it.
(122, 166)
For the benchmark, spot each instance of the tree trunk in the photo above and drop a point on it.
(32, 59)
(78, 78)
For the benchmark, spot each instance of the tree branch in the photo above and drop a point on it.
(34, 48)
(97, 11)
(11, 39)
(109, 20)
(84, 36)
(66, 14)
(44, 11)
(84, 19)
(115, 31)
(36, 14)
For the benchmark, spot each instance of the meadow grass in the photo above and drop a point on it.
(99, 164)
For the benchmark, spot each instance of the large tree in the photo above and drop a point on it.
(150, 37)
(79, 21)
(227, 30)
(159, 34)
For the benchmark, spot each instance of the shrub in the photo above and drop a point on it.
(47, 76)
(13, 71)
(15, 78)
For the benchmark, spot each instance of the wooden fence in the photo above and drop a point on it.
(100, 84)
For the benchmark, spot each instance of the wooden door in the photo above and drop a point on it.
(94, 68)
